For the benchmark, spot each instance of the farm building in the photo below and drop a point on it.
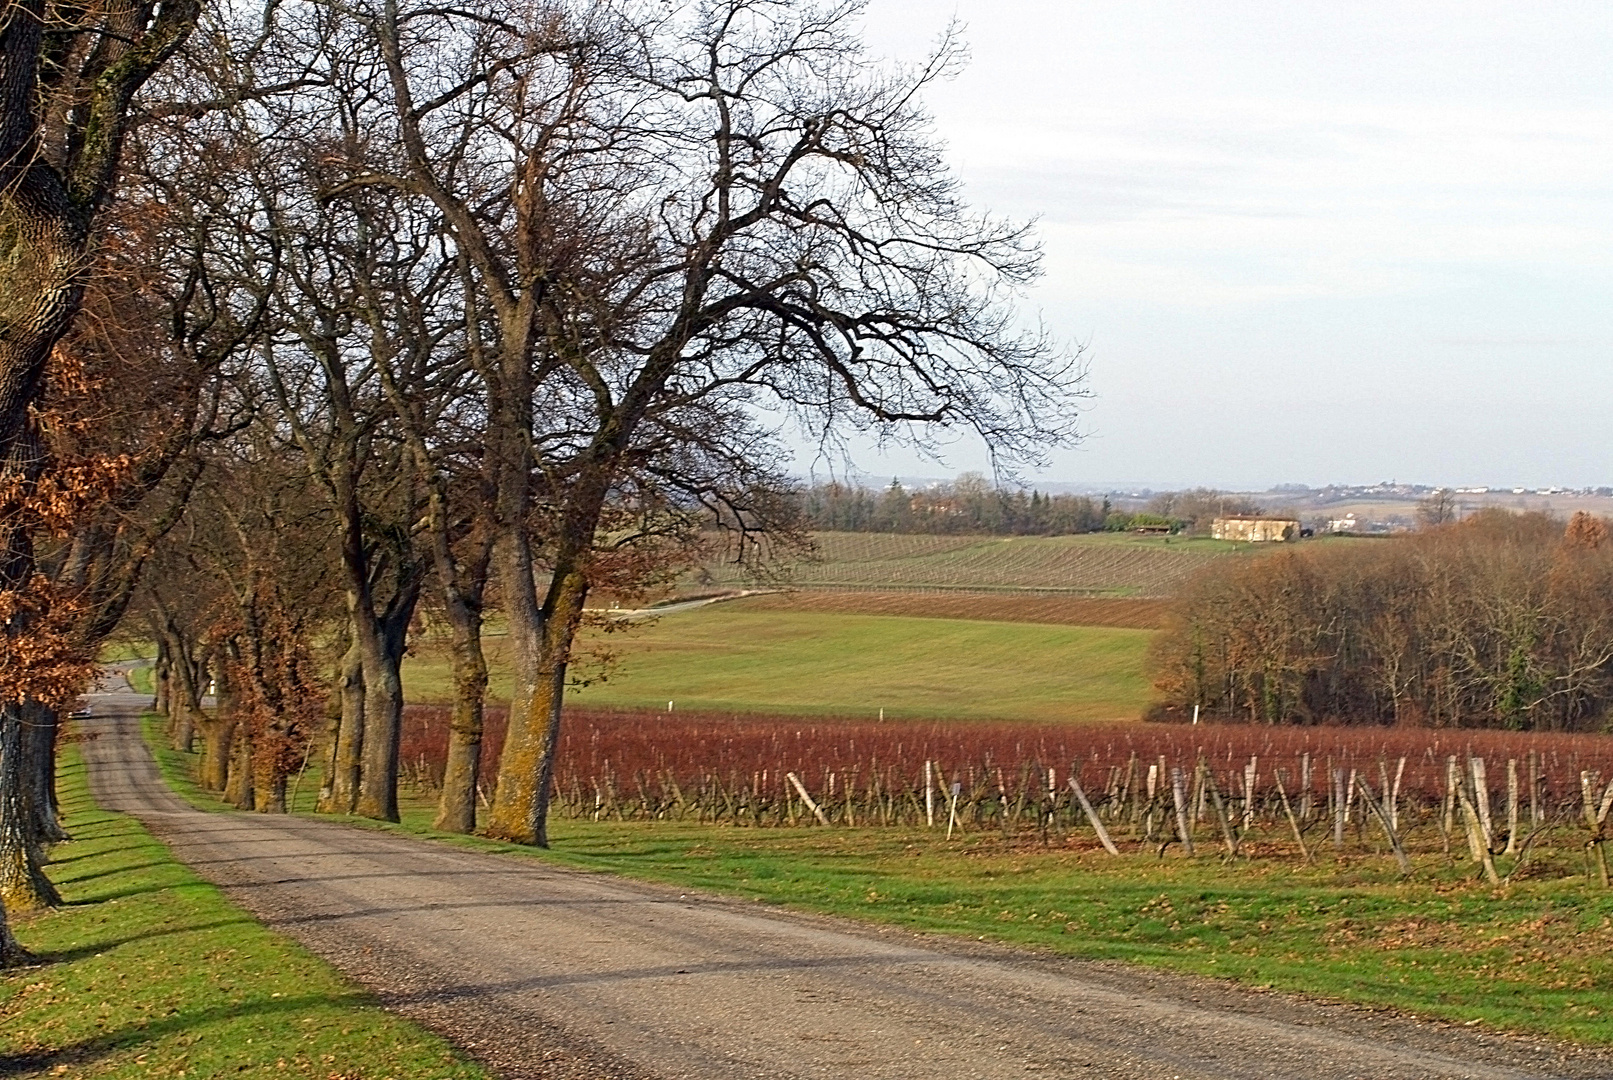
(1255, 529)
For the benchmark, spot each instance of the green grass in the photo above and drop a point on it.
(150, 972)
(726, 658)
(1534, 956)
(143, 679)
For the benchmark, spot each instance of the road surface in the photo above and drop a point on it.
(546, 972)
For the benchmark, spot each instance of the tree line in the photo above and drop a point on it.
(1502, 620)
(967, 506)
(970, 505)
(353, 317)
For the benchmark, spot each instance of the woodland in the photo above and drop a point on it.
(320, 319)
(1502, 620)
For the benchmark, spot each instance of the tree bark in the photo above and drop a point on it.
(23, 884)
(542, 643)
(381, 644)
(41, 725)
(456, 807)
(339, 793)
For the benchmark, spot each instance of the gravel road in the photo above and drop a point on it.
(547, 972)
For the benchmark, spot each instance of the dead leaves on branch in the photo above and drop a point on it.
(41, 659)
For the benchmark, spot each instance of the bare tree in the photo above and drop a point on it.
(1437, 509)
(697, 210)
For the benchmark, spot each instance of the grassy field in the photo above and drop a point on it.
(743, 658)
(149, 972)
(1535, 955)
(1097, 564)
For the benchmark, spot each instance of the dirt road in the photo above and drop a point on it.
(544, 972)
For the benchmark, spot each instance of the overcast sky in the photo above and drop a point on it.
(1303, 242)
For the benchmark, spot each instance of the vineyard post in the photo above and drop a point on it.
(1512, 806)
(929, 794)
(1475, 832)
(1305, 786)
(1338, 802)
(801, 790)
(1481, 798)
(952, 809)
(1347, 796)
(1092, 816)
(1535, 816)
(1250, 775)
(1388, 829)
(1452, 777)
(1207, 779)
(1596, 818)
(1293, 823)
(1184, 827)
(1394, 797)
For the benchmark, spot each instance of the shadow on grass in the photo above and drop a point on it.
(113, 872)
(88, 1051)
(95, 948)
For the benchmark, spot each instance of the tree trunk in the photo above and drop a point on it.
(381, 643)
(161, 673)
(269, 787)
(39, 731)
(23, 884)
(542, 640)
(218, 739)
(219, 733)
(456, 808)
(183, 699)
(339, 793)
(238, 781)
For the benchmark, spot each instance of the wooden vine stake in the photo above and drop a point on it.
(929, 794)
(801, 790)
(1092, 816)
(1388, 826)
(1596, 817)
(1184, 829)
(1293, 822)
(1475, 830)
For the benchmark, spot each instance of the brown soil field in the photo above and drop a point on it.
(1131, 613)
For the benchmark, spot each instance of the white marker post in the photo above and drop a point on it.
(952, 811)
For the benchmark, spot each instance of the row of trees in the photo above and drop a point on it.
(1501, 620)
(407, 311)
(972, 506)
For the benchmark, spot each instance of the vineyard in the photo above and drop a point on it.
(1100, 564)
(1195, 789)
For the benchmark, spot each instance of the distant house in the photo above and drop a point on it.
(1346, 524)
(1255, 530)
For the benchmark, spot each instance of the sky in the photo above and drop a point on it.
(1299, 242)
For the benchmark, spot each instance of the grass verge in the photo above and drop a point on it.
(150, 972)
(1533, 956)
